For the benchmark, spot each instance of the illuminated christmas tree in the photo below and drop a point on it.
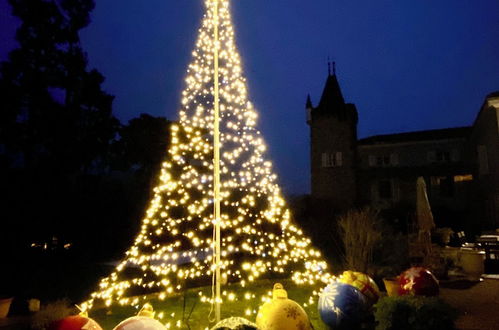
(176, 241)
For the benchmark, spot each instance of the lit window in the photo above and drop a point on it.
(435, 180)
(463, 178)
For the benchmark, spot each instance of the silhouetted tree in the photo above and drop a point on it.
(56, 122)
(57, 128)
(144, 143)
(54, 115)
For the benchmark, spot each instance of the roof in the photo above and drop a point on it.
(309, 105)
(331, 96)
(428, 135)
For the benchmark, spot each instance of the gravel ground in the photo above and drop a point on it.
(477, 302)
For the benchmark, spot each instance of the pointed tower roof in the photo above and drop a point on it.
(331, 96)
(332, 101)
(309, 105)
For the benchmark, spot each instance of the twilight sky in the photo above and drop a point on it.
(407, 65)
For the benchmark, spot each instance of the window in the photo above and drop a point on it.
(394, 159)
(463, 178)
(444, 185)
(334, 159)
(383, 160)
(455, 155)
(372, 160)
(385, 189)
(447, 187)
(432, 156)
(435, 180)
(338, 159)
(443, 156)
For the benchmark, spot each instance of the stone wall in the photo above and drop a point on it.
(485, 141)
(335, 179)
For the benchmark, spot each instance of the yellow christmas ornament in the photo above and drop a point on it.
(363, 283)
(282, 313)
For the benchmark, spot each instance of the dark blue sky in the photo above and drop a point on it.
(407, 65)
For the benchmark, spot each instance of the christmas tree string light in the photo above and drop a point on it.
(174, 248)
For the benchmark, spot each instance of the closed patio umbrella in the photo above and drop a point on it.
(424, 216)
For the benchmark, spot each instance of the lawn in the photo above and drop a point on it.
(188, 312)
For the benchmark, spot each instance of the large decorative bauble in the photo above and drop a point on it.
(342, 306)
(282, 313)
(75, 322)
(363, 283)
(418, 281)
(235, 323)
(140, 323)
(143, 321)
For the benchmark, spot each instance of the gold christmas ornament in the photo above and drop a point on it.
(146, 311)
(282, 313)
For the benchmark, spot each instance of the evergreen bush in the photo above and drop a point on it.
(414, 313)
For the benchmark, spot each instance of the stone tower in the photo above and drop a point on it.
(333, 149)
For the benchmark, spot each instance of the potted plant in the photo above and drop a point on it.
(5, 306)
(391, 286)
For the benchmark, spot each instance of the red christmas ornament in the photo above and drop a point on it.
(75, 322)
(418, 281)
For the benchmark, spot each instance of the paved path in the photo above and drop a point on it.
(477, 302)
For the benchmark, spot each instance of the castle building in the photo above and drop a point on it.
(460, 165)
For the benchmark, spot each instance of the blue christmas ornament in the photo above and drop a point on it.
(342, 306)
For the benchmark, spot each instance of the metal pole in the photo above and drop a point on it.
(216, 166)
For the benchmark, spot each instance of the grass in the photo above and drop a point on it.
(193, 314)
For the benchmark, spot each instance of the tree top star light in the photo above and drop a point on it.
(174, 248)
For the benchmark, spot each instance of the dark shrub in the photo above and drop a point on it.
(414, 313)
